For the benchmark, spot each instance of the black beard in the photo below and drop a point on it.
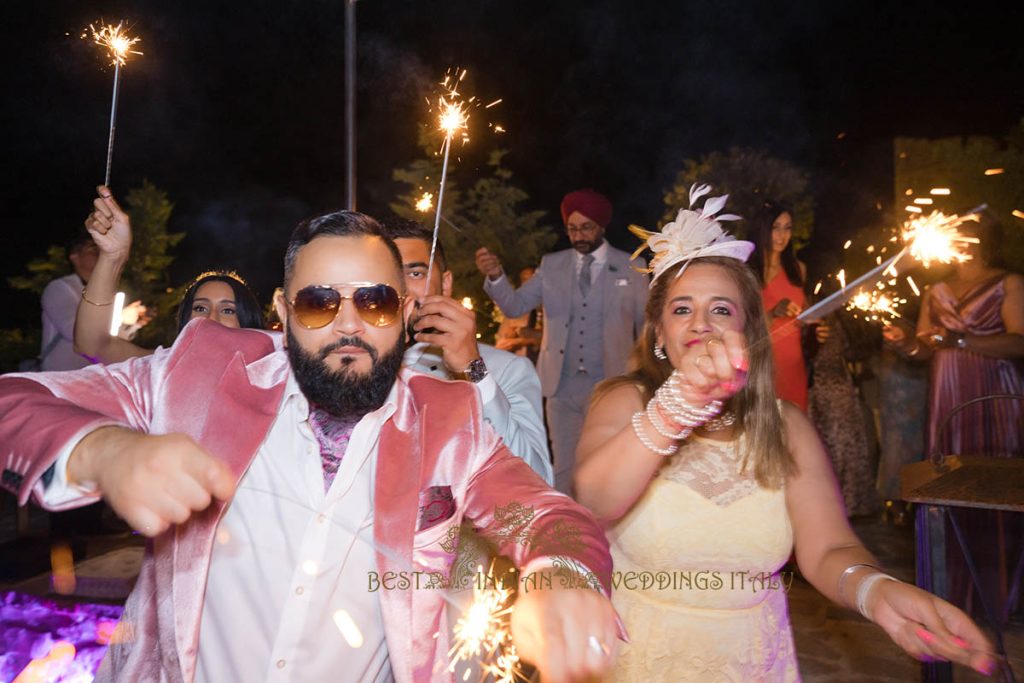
(587, 246)
(344, 392)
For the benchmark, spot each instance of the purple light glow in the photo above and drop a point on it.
(30, 626)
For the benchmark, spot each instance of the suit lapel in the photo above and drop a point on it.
(240, 415)
(395, 504)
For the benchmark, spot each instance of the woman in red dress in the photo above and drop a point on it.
(782, 280)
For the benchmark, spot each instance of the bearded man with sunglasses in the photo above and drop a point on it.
(299, 493)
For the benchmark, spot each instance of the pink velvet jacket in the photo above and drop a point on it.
(223, 388)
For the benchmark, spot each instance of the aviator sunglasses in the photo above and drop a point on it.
(317, 305)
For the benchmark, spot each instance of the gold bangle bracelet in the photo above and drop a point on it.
(86, 300)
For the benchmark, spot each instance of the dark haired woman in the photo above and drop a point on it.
(782, 279)
(221, 296)
(706, 482)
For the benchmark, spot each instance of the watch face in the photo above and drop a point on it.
(476, 371)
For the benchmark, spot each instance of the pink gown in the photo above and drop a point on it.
(994, 428)
(790, 370)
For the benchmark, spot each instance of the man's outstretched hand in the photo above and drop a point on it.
(568, 633)
(152, 482)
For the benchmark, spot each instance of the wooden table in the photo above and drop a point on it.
(960, 481)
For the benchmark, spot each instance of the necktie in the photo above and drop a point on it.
(333, 434)
(585, 274)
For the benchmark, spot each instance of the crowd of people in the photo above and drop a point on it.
(691, 435)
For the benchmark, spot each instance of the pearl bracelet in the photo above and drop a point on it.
(638, 429)
(658, 422)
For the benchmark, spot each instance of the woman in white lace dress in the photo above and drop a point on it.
(706, 483)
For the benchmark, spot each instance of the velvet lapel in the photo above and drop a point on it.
(240, 415)
(396, 499)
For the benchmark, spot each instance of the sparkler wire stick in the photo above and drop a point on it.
(437, 212)
(113, 122)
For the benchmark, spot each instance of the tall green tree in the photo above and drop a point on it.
(749, 177)
(486, 211)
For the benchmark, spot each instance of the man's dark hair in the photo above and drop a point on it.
(402, 228)
(338, 224)
(80, 241)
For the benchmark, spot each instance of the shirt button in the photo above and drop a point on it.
(321, 518)
(280, 664)
(300, 590)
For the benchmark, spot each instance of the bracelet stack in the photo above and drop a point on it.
(864, 587)
(668, 401)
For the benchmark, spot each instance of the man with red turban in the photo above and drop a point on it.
(593, 303)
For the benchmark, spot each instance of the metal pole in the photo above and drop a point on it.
(350, 104)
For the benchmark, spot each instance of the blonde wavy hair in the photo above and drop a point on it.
(757, 413)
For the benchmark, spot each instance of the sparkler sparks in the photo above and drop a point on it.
(425, 203)
(116, 41)
(935, 238)
(483, 632)
(875, 304)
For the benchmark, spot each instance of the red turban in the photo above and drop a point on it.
(593, 205)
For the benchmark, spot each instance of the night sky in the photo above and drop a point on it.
(236, 108)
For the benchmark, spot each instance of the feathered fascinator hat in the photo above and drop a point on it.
(693, 234)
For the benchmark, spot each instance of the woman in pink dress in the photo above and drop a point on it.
(782, 279)
(971, 328)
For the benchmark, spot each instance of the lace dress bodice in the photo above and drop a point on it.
(697, 580)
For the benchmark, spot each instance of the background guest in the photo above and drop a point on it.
(718, 477)
(782, 279)
(971, 329)
(593, 303)
(221, 296)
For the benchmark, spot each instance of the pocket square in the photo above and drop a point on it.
(436, 505)
(622, 282)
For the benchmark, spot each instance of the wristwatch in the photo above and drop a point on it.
(475, 371)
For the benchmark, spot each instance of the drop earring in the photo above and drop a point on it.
(659, 352)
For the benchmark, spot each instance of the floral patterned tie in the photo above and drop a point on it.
(333, 434)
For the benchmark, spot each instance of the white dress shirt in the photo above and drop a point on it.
(290, 565)
(60, 306)
(600, 257)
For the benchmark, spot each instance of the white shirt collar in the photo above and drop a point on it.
(600, 255)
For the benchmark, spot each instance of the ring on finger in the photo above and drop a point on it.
(597, 646)
(707, 344)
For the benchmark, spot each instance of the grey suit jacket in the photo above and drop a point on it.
(625, 295)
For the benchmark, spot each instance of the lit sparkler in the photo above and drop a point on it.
(119, 44)
(453, 118)
(935, 238)
(875, 305)
(483, 632)
(453, 121)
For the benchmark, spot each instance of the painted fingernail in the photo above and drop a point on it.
(960, 642)
(926, 636)
(988, 668)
